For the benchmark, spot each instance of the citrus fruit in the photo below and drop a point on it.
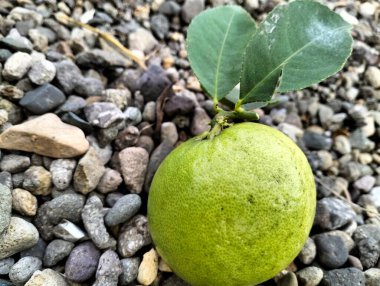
(234, 210)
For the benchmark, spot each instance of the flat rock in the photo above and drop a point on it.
(5, 207)
(45, 135)
(20, 235)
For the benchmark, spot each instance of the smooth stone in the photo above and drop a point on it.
(23, 270)
(17, 66)
(331, 250)
(315, 141)
(369, 252)
(5, 208)
(342, 144)
(6, 265)
(141, 40)
(14, 45)
(24, 202)
(89, 86)
(343, 277)
(82, 262)
(373, 76)
(124, 209)
(367, 231)
(42, 72)
(47, 277)
(36, 251)
(179, 104)
(160, 26)
(148, 268)
(153, 82)
(132, 115)
(20, 235)
(14, 163)
(109, 269)
(289, 279)
(96, 58)
(365, 183)
(372, 277)
(191, 8)
(6, 179)
(72, 104)
(200, 122)
(169, 132)
(88, 172)
(68, 75)
(57, 250)
(149, 113)
(45, 135)
(310, 276)
(308, 252)
(37, 180)
(130, 267)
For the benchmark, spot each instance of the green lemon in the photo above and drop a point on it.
(234, 210)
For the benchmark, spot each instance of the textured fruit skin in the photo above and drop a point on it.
(234, 210)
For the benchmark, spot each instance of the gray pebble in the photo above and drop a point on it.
(109, 269)
(24, 269)
(160, 26)
(369, 252)
(365, 183)
(191, 8)
(68, 75)
(289, 279)
(42, 72)
(89, 86)
(14, 163)
(62, 172)
(57, 250)
(120, 97)
(127, 138)
(152, 82)
(366, 231)
(6, 265)
(5, 207)
(180, 104)
(36, 250)
(133, 236)
(82, 262)
(200, 122)
(310, 276)
(141, 40)
(308, 252)
(17, 66)
(132, 115)
(170, 8)
(315, 141)
(372, 277)
(130, 267)
(145, 142)
(331, 250)
(149, 113)
(359, 140)
(343, 277)
(125, 208)
(6, 179)
(72, 104)
(169, 132)
(103, 114)
(96, 58)
(104, 153)
(37, 180)
(92, 216)
(342, 144)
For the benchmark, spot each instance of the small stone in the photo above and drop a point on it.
(133, 163)
(326, 160)
(57, 250)
(346, 237)
(40, 41)
(124, 208)
(62, 172)
(200, 122)
(24, 269)
(289, 279)
(68, 231)
(331, 250)
(179, 104)
(14, 163)
(365, 183)
(119, 97)
(354, 262)
(160, 26)
(109, 269)
(6, 180)
(130, 267)
(310, 276)
(343, 277)
(15, 44)
(11, 91)
(127, 138)
(46, 135)
(104, 153)
(6, 265)
(51, 213)
(132, 115)
(110, 181)
(369, 252)
(146, 142)
(293, 132)
(148, 269)
(359, 141)
(369, 129)
(74, 120)
(149, 113)
(315, 141)
(14, 112)
(308, 252)
(169, 132)
(170, 8)
(333, 213)
(68, 75)
(47, 277)
(96, 58)
(89, 86)
(72, 104)
(17, 66)
(24, 202)
(103, 114)
(92, 216)
(82, 262)
(192, 8)
(133, 236)
(141, 40)
(37, 180)
(3, 116)
(373, 76)
(19, 235)
(366, 231)
(42, 72)
(36, 250)
(278, 115)
(372, 277)
(88, 172)
(153, 82)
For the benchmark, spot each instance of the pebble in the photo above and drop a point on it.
(88, 172)
(92, 216)
(62, 172)
(124, 209)
(148, 268)
(127, 138)
(153, 82)
(149, 113)
(51, 213)
(170, 8)
(72, 104)
(354, 262)
(37, 180)
(74, 120)
(104, 153)
(96, 58)
(132, 115)
(200, 122)
(57, 250)
(325, 160)
(133, 236)
(89, 86)
(36, 251)
(169, 132)
(369, 252)
(45, 135)
(133, 163)
(130, 267)
(160, 26)
(310, 276)
(191, 8)
(373, 76)
(141, 40)
(365, 183)
(291, 131)
(15, 45)
(120, 97)
(82, 262)
(331, 250)
(372, 277)
(109, 269)
(103, 114)
(24, 202)
(346, 237)
(308, 252)
(20, 235)
(23, 270)
(68, 231)
(14, 163)
(147, 143)
(42, 99)
(11, 92)
(315, 141)
(343, 277)
(68, 75)
(17, 66)
(366, 231)
(14, 112)
(110, 181)
(332, 213)
(47, 277)
(42, 72)
(6, 265)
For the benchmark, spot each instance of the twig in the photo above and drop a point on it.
(61, 17)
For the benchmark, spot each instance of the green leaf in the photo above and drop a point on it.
(297, 45)
(216, 41)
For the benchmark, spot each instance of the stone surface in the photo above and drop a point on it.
(24, 202)
(372, 277)
(14, 163)
(68, 231)
(141, 40)
(6, 265)
(152, 82)
(200, 122)
(103, 114)
(17, 66)
(57, 250)
(133, 163)
(124, 208)
(148, 268)
(37, 180)
(308, 252)
(20, 235)
(5, 207)
(343, 277)
(310, 276)
(109, 269)
(331, 250)
(68, 75)
(24, 269)
(110, 181)
(191, 8)
(62, 172)
(130, 267)
(42, 72)
(47, 277)
(45, 135)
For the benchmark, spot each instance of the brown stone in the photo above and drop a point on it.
(45, 135)
(24, 202)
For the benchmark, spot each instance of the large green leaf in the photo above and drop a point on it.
(216, 41)
(297, 45)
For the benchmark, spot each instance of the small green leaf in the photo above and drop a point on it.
(297, 45)
(216, 41)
